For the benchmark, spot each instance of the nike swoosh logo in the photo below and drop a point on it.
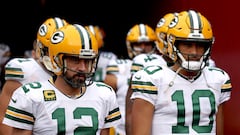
(138, 77)
(14, 100)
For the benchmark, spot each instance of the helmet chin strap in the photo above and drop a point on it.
(137, 50)
(191, 65)
(78, 84)
(70, 80)
(140, 50)
(74, 85)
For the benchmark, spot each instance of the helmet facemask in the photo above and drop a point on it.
(140, 33)
(192, 65)
(42, 50)
(78, 83)
(136, 49)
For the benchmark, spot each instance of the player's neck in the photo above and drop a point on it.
(190, 75)
(66, 89)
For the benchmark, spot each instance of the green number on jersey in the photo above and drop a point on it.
(152, 69)
(34, 85)
(197, 94)
(59, 115)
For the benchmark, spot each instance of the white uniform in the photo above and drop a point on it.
(121, 69)
(40, 107)
(143, 60)
(211, 62)
(182, 106)
(25, 70)
(103, 61)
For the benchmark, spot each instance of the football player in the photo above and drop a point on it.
(19, 71)
(188, 97)
(72, 103)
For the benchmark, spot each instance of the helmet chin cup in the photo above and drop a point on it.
(192, 65)
(51, 66)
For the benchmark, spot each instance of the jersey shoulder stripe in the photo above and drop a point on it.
(17, 67)
(113, 115)
(19, 115)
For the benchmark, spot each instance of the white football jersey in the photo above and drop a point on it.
(121, 69)
(40, 107)
(182, 106)
(103, 61)
(143, 60)
(25, 70)
(211, 62)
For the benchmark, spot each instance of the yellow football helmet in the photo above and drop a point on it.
(98, 32)
(189, 26)
(72, 40)
(44, 34)
(137, 34)
(161, 31)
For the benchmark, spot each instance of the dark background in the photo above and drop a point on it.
(22, 18)
(19, 21)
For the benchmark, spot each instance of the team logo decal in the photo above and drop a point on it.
(161, 23)
(43, 30)
(138, 77)
(57, 37)
(174, 22)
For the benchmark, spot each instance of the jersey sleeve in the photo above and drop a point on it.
(112, 67)
(113, 116)
(143, 86)
(103, 61)
(19, 113)
(144, 60)
(137, 63)
(218, 80)
(226, 87)
(18, 69)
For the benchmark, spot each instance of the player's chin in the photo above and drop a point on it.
(79, 79)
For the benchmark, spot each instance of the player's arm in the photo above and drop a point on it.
(8, 88)
(17, 131)
(220, 120)
(105, 131)
(111, 71)
(128, 110)
(111, 80)
(142, 118)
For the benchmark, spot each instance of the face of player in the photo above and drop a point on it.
(191, 57)
(77, 70)
(143, 47)
(191, 51)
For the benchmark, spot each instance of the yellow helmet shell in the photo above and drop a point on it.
(98, 32)
(139, 33)
(47, 28)
(191, 25)
(161, 32)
